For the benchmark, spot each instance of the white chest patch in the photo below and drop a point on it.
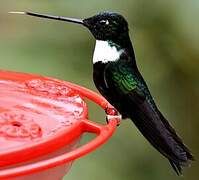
(105, 53)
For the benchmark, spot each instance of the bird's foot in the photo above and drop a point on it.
(112, 113)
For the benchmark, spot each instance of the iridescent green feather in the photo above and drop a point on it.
(123, 80)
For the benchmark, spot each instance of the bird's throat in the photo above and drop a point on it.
(106, 51)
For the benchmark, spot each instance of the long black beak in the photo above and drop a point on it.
(60, 18)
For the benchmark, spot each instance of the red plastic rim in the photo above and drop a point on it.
(103, 132)
(50, 113)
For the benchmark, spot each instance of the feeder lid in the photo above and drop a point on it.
(37, 116)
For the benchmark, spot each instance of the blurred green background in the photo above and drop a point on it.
(165, 35)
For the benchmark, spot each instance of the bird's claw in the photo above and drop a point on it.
(112, 113)
(110, 117)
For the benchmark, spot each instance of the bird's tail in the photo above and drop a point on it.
(156, 129)
(185, 156)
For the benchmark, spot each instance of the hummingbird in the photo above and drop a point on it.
(118, 79)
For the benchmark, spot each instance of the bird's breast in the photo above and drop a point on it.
(98, 73)
(105, 52)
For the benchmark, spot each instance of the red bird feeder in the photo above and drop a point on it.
(41, 123)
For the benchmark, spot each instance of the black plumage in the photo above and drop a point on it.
(118, 79)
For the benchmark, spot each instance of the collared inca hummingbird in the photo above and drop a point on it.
(118, 79)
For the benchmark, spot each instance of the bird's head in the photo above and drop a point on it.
(107, 26)
(104, 26)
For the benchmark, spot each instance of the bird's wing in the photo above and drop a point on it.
(145, 115)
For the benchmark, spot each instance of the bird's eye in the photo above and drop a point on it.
(104, 22)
